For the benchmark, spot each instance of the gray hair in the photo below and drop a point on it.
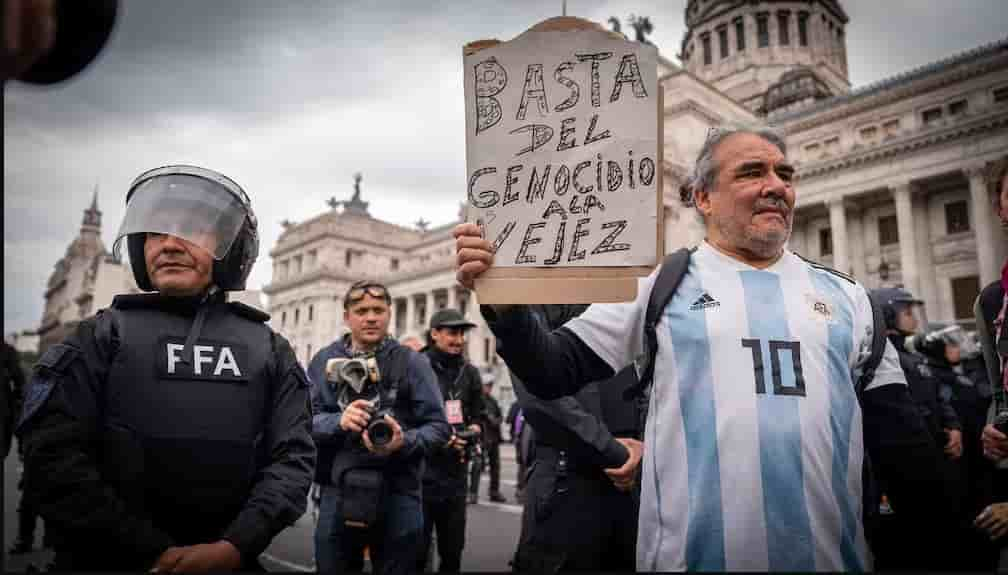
(704, 174)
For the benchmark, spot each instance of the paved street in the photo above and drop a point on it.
(491, 530)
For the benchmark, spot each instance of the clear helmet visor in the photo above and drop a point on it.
(911, 317)
(199, 210)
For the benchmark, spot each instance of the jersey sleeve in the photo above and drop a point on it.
(615, 331)
(888, 371)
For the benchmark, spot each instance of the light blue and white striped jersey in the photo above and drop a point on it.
(753, 445)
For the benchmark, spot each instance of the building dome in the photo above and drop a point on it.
(743, 47)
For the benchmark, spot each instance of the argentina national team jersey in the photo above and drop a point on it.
(753, 444)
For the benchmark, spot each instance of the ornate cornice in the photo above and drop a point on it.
(903, 146)
(976, 62)
(322, 273)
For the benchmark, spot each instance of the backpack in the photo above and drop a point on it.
(670, 275)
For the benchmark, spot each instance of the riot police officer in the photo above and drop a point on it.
(171, 432)
(444, 481)
(371, 488)
(899, 539)
(576, 515)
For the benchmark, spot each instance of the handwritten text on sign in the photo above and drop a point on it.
(561, 149)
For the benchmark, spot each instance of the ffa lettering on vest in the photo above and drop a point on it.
(209, 360)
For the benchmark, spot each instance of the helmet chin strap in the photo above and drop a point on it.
(197, 325)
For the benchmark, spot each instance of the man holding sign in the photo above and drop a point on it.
(755, 436)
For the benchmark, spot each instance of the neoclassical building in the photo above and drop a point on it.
(892, 177)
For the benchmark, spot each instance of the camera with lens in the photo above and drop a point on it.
(359, 378)
(471, 437)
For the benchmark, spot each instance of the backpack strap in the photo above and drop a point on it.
(670, 275)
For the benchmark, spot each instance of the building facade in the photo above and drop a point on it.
(892, 177)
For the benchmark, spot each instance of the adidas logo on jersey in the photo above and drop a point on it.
(705, 301)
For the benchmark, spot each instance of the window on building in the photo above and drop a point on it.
(957, 217)
(803, 28)
(705, 43)
(308, 353)
(311, 312)
(486, 350)
(869, 133)
(297, 265)
(297, 315)
(931, 115)
(964, 292)
(394, 264)
(283, 318)
(957, 107)
(825, 242)
(348, 258)
(891, 128)
(812, 150)
(763, 30)
(1001, 95)
(888, 230)
(783, 27)
(739, 34)
(722, 34)
(312, 259)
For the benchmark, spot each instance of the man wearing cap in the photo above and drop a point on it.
(444, 482)
(171, 432)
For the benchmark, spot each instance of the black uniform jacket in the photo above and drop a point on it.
(129, 449)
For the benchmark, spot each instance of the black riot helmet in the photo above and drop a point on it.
(892, 301)
(200, 206)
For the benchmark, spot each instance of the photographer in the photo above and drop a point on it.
(444, 482)
(373, 421)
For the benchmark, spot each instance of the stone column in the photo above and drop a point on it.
(905, 225)
(428, 308)
(983, 225)
(858, 265)
(838, 229)
(452, 299)
(410, 314)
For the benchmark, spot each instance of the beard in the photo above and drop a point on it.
(765, 243)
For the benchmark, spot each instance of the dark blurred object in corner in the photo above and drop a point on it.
(49, 41)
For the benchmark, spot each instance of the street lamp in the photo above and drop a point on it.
(883, 269)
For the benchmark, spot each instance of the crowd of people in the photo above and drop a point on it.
(804, 423)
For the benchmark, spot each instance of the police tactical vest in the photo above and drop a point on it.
(185, 432)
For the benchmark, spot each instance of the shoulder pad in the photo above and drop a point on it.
(819, 266)
(248, 312)
(135, 300)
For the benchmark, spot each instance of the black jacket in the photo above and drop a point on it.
(925, 388)
(445, 473)
(492, 420)
(92, 480)
(11, 394)
(580, 423)
(418, 409)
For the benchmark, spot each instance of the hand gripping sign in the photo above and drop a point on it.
(563, 158)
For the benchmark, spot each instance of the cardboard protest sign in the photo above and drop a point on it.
(563, 158)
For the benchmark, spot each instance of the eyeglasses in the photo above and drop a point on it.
(358, 290)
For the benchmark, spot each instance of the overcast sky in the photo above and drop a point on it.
(291, 98)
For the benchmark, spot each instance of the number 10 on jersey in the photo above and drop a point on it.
(776, 346)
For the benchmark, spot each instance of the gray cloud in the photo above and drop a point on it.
(291, 98)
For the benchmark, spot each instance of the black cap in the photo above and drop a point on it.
(449, 317)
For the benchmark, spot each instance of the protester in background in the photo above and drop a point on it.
(991, 310)
(491, 448)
